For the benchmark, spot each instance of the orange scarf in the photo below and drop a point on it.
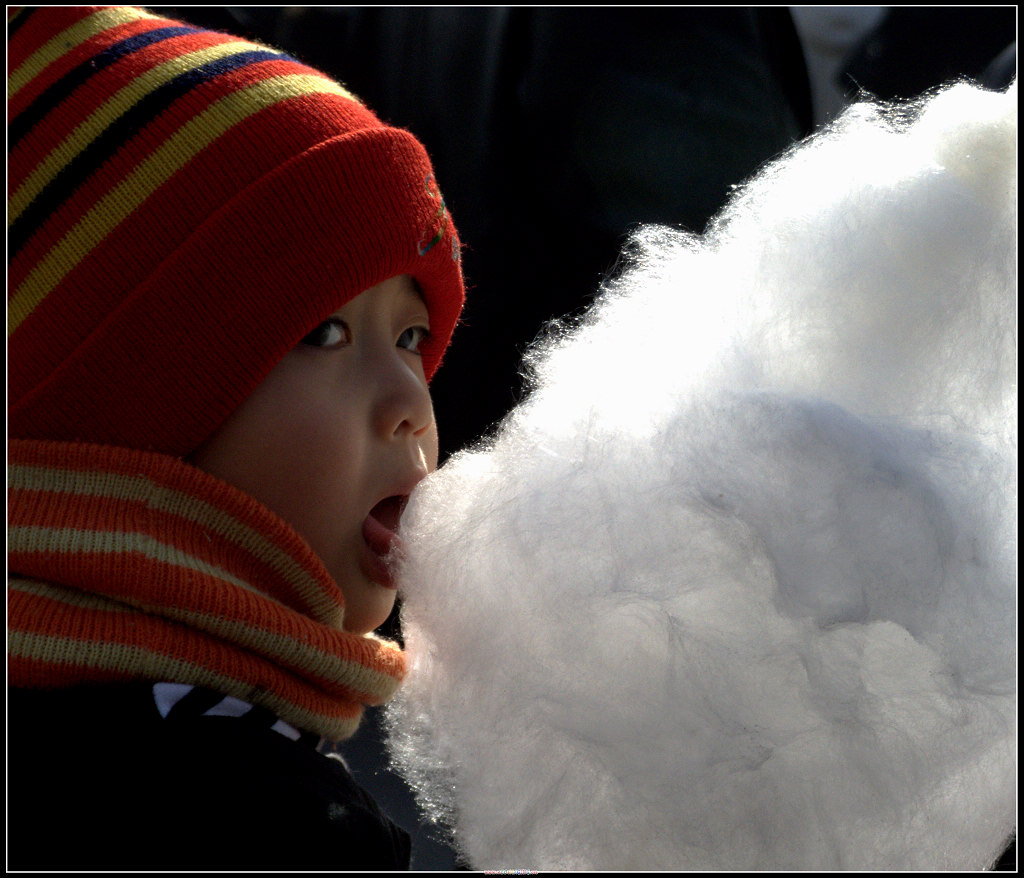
(127, 565)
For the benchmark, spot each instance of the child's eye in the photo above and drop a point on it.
(413, 337)
(329, 334)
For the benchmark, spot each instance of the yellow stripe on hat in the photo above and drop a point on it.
(68, 39)
(122, 101)
(198, 133)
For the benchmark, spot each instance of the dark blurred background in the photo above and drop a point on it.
(555, 131)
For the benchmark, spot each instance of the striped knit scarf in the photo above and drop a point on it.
(128, 565)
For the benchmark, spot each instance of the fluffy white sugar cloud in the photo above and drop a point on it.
(735, 587)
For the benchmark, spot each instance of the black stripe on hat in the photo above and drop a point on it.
(63, 87)
(119, 132)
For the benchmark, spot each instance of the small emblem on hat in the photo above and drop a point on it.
(440, 218)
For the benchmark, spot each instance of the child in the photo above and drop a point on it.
(229, 285)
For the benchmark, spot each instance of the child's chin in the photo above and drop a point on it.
(370, 609)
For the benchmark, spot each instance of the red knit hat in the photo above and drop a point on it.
(184, 207)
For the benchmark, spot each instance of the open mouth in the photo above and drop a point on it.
(380, 533)
(389, 512)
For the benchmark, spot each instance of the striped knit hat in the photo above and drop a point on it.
(184, 207)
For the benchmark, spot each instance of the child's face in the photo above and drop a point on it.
(342, 423)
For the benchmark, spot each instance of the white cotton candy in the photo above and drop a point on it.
(735, 587)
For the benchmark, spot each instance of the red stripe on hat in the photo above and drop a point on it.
(42, 31)
(38, 30)
(55, 127)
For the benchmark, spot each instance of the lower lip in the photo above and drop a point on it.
(379, 542)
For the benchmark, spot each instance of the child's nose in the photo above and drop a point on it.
(403, 404)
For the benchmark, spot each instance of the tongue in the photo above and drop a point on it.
(379, 538)
(381, 524)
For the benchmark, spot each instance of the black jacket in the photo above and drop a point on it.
(97, 778)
